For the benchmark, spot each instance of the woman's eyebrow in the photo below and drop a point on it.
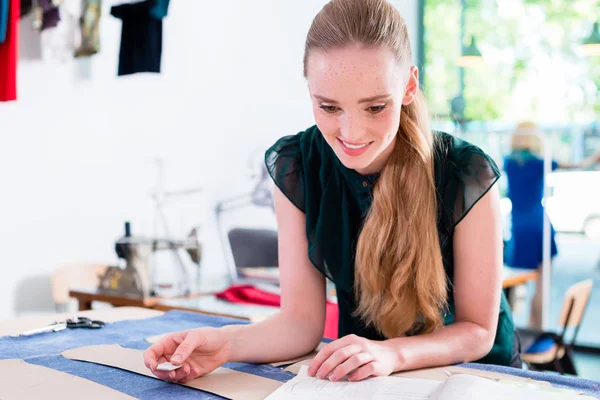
(365, 100)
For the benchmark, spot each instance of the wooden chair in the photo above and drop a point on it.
(558, 356)
(72, 276)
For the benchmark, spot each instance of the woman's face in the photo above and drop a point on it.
(357, 94)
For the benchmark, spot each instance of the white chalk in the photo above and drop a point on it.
(167, 366)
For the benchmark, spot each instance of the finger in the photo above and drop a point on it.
(363, 372)
(350, 365)
(151, 356)
(337, 358)
(163, 347)
(163, 375)
(180, 373)
(191, 342)
(327, 351)
(160, 374)
(194, 373)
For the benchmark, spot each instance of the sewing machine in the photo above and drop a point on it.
(135, 278)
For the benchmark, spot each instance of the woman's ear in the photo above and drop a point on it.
(412, 86)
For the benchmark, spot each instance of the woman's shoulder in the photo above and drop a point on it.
(457, 156)
(463, 174)
(291, 158)
(297, 144)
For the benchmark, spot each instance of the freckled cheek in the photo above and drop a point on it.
(329, 126)
(386, 127)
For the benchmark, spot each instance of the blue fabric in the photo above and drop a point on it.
(45, 349)
(540, 345)
(525, 176)
(138, 386)
(3, 19)
(118, 332)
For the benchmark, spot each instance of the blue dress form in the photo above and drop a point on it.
(525, 175)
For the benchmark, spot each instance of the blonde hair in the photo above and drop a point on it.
(400, 280)
(526, 137)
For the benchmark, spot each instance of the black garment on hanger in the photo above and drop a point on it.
(141, 37)
(26, 6)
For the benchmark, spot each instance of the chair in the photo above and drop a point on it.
(550, 352)
(253, 247)
(72, 276)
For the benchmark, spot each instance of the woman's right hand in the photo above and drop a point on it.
(199, 351)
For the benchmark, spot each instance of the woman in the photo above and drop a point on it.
(405, 222)
(525, 176)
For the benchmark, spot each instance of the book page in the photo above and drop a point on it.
(381, 388)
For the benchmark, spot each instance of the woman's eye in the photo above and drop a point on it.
(329, 109)
(376, 109)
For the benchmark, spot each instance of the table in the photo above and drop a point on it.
(206, 302)
(45, 349)
(209, 304)
(512, 277)
(85, 297)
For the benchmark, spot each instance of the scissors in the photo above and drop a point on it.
(83, 322)
(78, 322)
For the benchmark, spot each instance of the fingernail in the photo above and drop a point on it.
(333, 378)
(311, 372)
(176, 358)
(172, 374)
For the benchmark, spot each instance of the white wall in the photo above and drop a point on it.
(77, 149)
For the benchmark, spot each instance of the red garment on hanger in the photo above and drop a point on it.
(9, 53)
(248, 294)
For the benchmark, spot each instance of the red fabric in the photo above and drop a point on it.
(248, 294)
(9, 53)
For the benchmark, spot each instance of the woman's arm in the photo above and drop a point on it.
(477, 289)
(477, 285)
(298, 328)
(591, 160)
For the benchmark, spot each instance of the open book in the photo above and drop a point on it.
(459, 386)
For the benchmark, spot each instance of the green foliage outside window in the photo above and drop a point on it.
(533, 68)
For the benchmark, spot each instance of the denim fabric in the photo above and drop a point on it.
(113, 333)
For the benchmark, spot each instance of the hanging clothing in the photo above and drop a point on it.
(90, 28)
(3, 19)
(26, 7)
(47, 14)
(60, 42)
(9, 53)
(141, 35)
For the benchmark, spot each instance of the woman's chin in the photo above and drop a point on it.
(357, 163)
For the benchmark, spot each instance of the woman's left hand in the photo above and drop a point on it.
(355, 357)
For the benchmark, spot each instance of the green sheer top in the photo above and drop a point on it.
(336, 199)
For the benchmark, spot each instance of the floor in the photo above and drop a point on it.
(588, 365)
